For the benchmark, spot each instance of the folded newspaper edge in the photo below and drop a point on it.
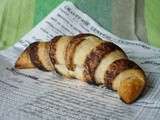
(40, 95)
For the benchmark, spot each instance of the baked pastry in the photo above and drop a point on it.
(88, 58)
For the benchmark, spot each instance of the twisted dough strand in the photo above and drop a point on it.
(88, 58)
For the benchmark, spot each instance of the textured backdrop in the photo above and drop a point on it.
(130, 19)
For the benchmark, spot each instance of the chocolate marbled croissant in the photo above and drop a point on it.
(88, 58)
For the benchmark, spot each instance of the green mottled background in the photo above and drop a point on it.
(129, 19)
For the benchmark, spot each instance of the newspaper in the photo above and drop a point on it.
(36, 95)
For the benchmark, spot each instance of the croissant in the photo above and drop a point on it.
(88, 58)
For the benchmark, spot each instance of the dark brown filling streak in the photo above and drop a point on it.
(52, 49)
(94, 58)
(71, 48)
(116, 68)
(34, 56)
(85, 35)
(47, 48)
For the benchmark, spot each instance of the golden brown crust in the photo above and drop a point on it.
(24, 60)
(71, 49)
(93, 59)
(52, 49)
(131, 89)
(121, 74)
(34, 56)
(116, 68)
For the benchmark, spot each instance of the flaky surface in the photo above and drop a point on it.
(88, 58)
(60, 54)
(24, 60)
(43, 49)
(130, 84)
(106, 61)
